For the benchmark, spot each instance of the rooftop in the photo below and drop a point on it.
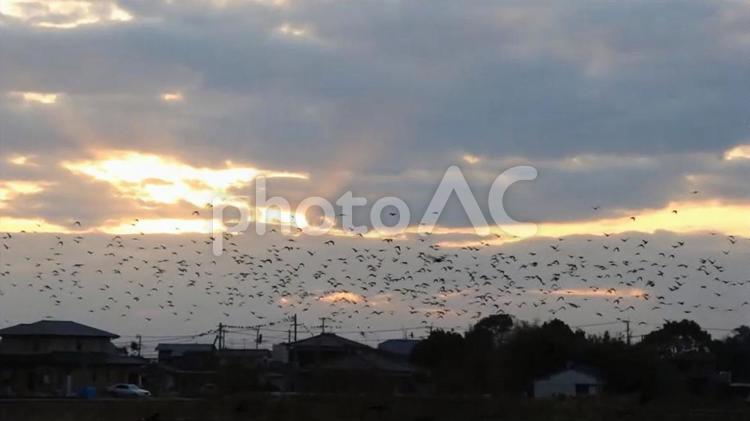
(327, 340)
(56, 328)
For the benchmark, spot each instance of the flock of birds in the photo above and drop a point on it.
(366, 283)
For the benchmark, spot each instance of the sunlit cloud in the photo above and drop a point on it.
(290, 30)
(165, 180)
(9, 190)
(32, 225)
(677, 217)
(21, 160)
(471, 159)
(738, 152)
(158, 226)
(172, 97)
(64, 14)
(342, 297)
(45, 98)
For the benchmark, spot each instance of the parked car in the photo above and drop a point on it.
(126, 390)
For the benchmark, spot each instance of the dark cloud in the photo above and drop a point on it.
(378, 89)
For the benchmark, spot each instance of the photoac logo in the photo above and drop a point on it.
(236, 214)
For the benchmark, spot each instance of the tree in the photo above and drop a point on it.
(481, 354)
(733, 354)
(443, 353)
(676, 339)
(495, 327)
(534, 351)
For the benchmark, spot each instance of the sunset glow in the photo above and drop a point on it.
(156, 179)
(738, 152)
(11, 189)
(43, 98)
(677, 217)
(342, 296)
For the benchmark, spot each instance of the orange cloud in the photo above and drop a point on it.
(342, 296)
(30, 225)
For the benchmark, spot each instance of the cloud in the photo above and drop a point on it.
(587, 93)
(10, 190)
(172, 97)
(43, 98)
(64, 14)
(738, 152)
(164, 180)
(21, 160)
(339, 297)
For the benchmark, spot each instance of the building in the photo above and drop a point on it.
(201, 369)
(400, 347)
(255, 359)
(173, 352)
(571, 382)
(318, 349)
(328, 363)
(60, 358)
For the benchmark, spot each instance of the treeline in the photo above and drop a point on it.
(502, 355)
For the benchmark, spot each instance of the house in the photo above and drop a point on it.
(201, 369)
(182, 369)
(170, 352)
(400, 347)
(60, 358)
(571, 382)
(367, 372)
(254, 359)
(328, 363)
(317, 349)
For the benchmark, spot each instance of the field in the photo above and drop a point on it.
(335, 408)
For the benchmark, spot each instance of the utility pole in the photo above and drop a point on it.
(627, 331)
(258, 338)
(140, 344)
(295, 328)
(219, 339)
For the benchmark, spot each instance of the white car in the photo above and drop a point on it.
(126, 390)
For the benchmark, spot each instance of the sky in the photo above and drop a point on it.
(126, 117)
